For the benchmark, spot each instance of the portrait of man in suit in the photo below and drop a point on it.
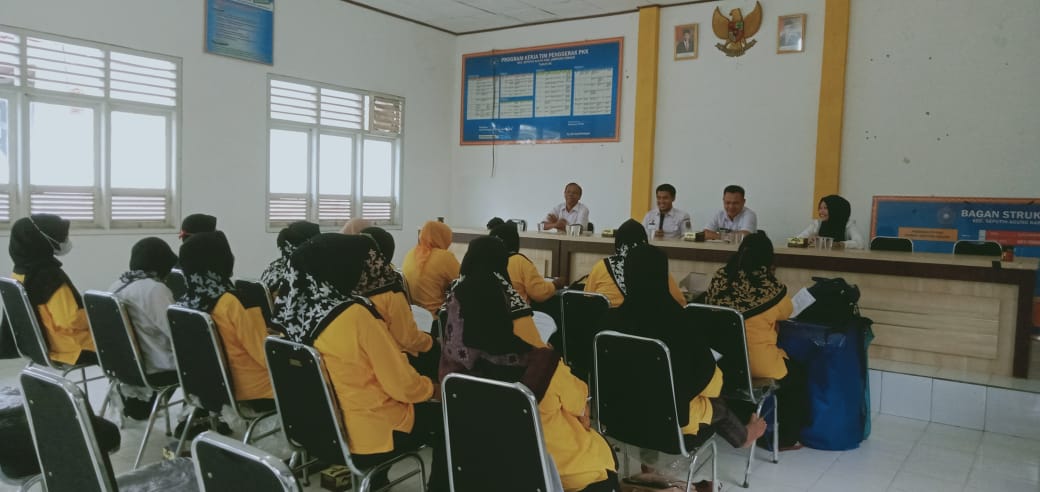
(791, 34)
(686, 42)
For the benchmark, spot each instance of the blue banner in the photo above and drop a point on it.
(241, 29)
(544, 94)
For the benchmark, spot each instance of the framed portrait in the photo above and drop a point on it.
(685, 42)
(790, 33)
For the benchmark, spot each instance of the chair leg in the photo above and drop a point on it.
(161, 401)
(714, 466)
(86, 391)
(693, 468)
(776, 430)
(28, 484)
(187, 426)
(751, 451)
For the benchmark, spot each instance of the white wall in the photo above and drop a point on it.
(748, 120)
(941, 99)
(528, 180)
(224, 134)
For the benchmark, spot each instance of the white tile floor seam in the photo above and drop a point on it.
(902, 454)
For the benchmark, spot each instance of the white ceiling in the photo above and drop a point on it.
(462, 16)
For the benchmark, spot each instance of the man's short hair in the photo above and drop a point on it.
(734, 189)
(576, 185)
(668, 189)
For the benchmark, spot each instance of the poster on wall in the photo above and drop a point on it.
(242, 29)
(564, 93)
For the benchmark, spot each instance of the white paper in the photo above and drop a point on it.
(801, 300)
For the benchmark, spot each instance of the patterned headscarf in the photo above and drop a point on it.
(278, 274)
(208, 263)
(378, 275)
(747, 282)
(151, 258)
(326, 270)
(630, 235)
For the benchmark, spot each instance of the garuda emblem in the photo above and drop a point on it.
(737, 30)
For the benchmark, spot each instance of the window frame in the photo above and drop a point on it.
(21, 97)
(314, 133)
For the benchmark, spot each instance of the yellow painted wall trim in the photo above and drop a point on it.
(645, 110)
(832, 100)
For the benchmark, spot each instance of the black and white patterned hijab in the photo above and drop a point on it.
(278, 273)
(378, 275)
(325, 271)
(630, 235)
(207, 263)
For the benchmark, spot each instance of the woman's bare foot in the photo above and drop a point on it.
(756, 427)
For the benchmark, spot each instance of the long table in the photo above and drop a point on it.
(940, 310)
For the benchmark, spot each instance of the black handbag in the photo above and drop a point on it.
(836, 301)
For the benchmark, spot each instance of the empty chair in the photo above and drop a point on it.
(28, 335)
(580, 313)
(203, 370)
(977, 248)
(66, 433)
(485, 453)
(724, 329)
(885, 243)
(222, 463)
(120, 356)
(643, 415)
(311, 414)
(253, 293)
(177, 283)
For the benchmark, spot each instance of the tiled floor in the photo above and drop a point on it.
(901, 455)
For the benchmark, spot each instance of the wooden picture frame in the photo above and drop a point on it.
(790, 33)
(684, 48)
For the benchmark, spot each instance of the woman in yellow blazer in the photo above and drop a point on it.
(207, 263)
(748, 284)
(35, 241)
(608, 276)
(480, 340)
(429, 268)
(384, 401)
(530, 284)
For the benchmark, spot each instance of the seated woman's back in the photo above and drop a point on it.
(430, 268)
(146, 299)
(608, 276)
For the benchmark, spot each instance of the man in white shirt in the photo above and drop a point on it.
(146, 298)
(734, 216)
(568, 212)
(665, 221)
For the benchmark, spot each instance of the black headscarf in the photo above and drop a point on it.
(208, 263)
(479, 338)
(630, 235)
(495, 222)
(378, 275)
(509, 235)
(650, 311)
(326, 269)
(384, 239)
(276, 275)
(196, 223)
(32, 246)
(747, 283)
(838, 212)
(150, 257)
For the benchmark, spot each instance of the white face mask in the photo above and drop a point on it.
(63, 248)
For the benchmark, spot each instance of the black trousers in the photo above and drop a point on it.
(793, 401)
(428, 363)
(428, 430)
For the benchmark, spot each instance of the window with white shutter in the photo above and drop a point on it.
(98, 127)
(334, 154)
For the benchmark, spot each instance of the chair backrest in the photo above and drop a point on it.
(977, 248)
(581, 314)
(493, 433)
(177, 284)
(635, 393)
(723, 328)
(222, 463)
(117, 349)
(25, 326)
(310, 413)
(885, 243)
(201, 363)
(255, 293)
(423, 318)
(61, 422)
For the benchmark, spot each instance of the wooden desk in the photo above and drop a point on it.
(950, 312)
